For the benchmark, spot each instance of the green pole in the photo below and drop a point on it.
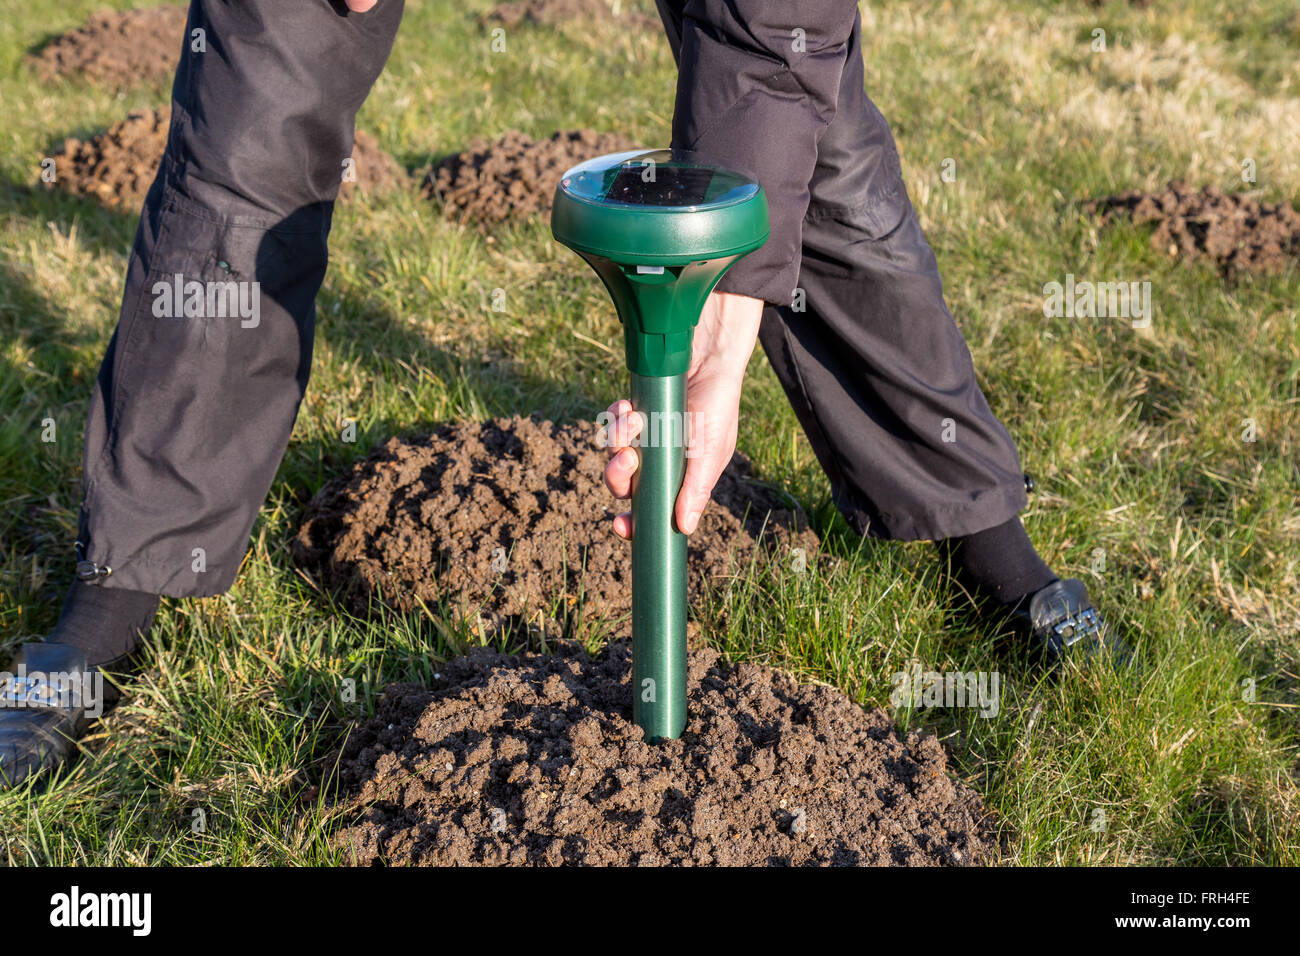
(659, 560)
(660, 229)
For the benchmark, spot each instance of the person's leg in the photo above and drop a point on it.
(882, 382)
(880, 375)
(874, 364)
(197, 394)
(875, 367)
(191, 414)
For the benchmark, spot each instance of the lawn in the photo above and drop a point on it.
(1187, 533)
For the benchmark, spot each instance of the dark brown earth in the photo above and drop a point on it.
(535, 760)
(513, 176)
(1235, 232)
(118, 165)
(376, 171)
(557, 12)
(117, 49)
(433, 518)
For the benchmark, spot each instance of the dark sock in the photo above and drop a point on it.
(999, 563)
(106, 623)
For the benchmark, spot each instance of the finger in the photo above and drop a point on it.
(697, 486)
(623, 525)
(616, 410)
(360, 6)
(625, 428)
(619, 472)
(615, 426)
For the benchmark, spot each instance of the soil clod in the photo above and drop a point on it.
(1235, 232)
(508, 520)
(547, 743)
(117, 48)
(117, 166)
(514, 176)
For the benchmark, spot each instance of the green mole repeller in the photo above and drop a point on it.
(660, 229)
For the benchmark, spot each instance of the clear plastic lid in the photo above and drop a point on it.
(659, 179)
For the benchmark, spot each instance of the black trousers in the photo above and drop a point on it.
(192, 411)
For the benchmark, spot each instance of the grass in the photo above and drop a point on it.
(1189, 534)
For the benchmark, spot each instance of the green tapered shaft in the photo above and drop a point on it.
(659, 227)
(659, 560)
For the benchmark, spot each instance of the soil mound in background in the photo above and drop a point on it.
(118, 165)
(1236, 232)
(535, 760)
(509, 519)
(557, 12)
(513, 176)
(117, 48)
(376, 171)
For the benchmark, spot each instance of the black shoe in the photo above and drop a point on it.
(1063, 622)
(48, 698)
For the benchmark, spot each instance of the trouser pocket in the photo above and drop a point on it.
(198, 393)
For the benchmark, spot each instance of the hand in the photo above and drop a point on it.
(360, 6)
(724, 340)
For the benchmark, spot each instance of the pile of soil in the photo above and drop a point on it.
(513, 176)
(1236, 232)
(535, 760)
(117, 48)
(508, 522)
(118, 165)
(557, 12)
(377, 172)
